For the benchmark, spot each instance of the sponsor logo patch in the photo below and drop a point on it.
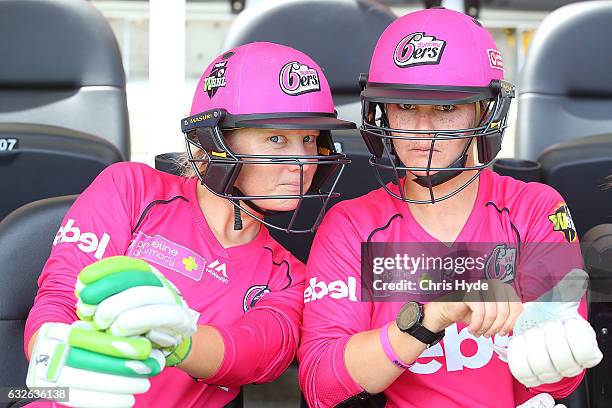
(297, 79)
(217, 270)
(163, 252)
(418, 49)
(562, 222)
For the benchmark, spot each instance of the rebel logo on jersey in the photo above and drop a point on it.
(216, 79)
(87, 242)
(297, 79)
(335, 290)
(418, 49)
(460, 350)
(563, 223)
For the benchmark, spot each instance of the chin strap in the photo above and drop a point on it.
(237, 216)
(444, 176)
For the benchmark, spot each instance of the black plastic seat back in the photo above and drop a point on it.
(565, 90)
(339, 35)
(26, 236)
(597, 251)
(61, 66)
(48, 161)
(578, 169)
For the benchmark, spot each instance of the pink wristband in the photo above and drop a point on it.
(388, 349)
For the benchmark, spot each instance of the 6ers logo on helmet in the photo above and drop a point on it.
(418, 49)
(297, 79)
(216, 79)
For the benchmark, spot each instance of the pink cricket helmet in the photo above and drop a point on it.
(436, 57)
(263, 85)
(267, 85)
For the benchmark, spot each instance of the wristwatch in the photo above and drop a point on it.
(409, 320)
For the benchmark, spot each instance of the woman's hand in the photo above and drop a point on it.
(486, 313)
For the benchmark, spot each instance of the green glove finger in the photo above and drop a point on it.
(104, 343)
(96, 292)
(91, 361)
(108, 266)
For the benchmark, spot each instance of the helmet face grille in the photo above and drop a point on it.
(487, 134)
(435, 57)
(270, 86)
(217, 167)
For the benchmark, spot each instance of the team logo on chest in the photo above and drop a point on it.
(418, 49)
(252, 296)
(501, 264)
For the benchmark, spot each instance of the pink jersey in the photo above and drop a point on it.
(251, 293)
(462, 370)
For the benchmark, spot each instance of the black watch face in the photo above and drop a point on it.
(408, 316)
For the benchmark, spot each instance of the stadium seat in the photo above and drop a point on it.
(62, 67)
(565, 89)
(26, 236)
(524, 170)
(311, 26)
(597, 251)
(48, 161)
(325, 30)
(564, 122)
(578, 169)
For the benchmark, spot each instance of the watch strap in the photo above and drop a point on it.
(424, 335)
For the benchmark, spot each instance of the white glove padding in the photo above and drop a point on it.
(127, 296)
(551, 340)
(147, 310)
(99, 370)
(541, 401)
